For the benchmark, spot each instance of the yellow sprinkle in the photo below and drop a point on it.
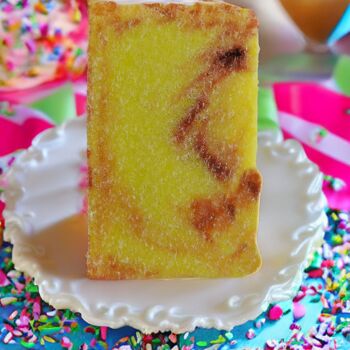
(49, 339)
(76, 16)
(32, 72)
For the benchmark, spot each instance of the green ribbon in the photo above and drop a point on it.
(342, 74)
(267, 110)
(59, 105)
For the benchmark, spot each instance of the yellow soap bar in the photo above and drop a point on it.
(172, 137)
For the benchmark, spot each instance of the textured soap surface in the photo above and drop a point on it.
(172, 137)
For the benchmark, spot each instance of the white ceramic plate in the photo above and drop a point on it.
(50, 241)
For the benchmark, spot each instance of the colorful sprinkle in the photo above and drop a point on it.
(299, 311)
(40, 39)
(275, 313)
(318, 135)
(250, 334)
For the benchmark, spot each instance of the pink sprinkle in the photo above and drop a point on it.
(8, 338)
(44, 29)
(312, 290)
(260, 322)
(36, 308)
(8, 8)
(340, 264)
(330, 331)
(66, 343)
(7, 41)
(19, 286)
(84, 183)
(10, 66)
(315, 273)
(299, 296)
(84, 208)
(327, 263)
(3, 279)
(24, 320)
(8, 327)
(17, 333)
(271, 344)
(275, 313)
(93, 342)
(294, 326)
(342, 225)
(303, 288)
(324, 302)
(298, 311)
(250, 334)
(84, 168)
(31, 46)
(103, 333)
(13, 315)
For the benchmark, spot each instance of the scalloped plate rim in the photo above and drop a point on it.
(14, 230)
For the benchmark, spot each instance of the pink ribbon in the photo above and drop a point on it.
(319, 118)
(18, 130)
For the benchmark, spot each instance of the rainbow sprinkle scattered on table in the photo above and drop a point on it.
(317, 318)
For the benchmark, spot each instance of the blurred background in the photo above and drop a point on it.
(291, 26)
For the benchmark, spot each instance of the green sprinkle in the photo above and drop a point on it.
(342, 325)
(48, 329)
(202, 343)
(27, 345)
(337, 240)
(31, 288)
(103, 344)
(220, 340)
(323, 132)
(43, 318)
(133, 341)
(78, 51)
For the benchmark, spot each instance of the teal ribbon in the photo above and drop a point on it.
(267, 110)
(341, 29)
(59, 105)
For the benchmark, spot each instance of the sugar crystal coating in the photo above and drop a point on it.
(172, 129)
